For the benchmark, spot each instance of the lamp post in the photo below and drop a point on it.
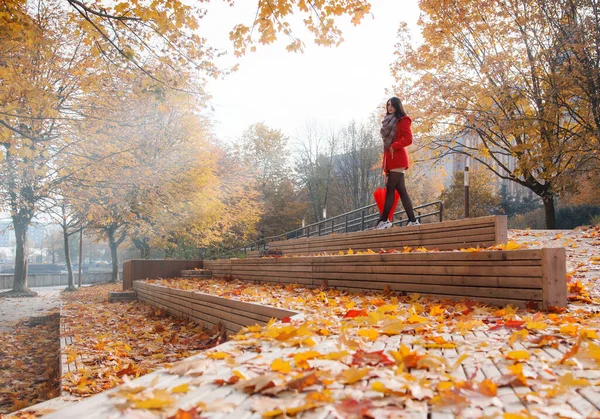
(467, 190)
(466, 182)
(80, 255)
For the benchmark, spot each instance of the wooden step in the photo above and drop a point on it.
(515, 277)
(447, 235)
(196, 273)
(119, 297)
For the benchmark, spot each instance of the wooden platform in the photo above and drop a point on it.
(219, 400)
(122, 297)
(516, 277)
(447, 235)
(137, 269)
(196, 273)
(208, 309)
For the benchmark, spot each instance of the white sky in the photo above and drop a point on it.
(330, 85)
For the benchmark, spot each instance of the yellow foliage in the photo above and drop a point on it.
(280, 365)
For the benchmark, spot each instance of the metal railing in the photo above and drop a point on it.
(360, 219)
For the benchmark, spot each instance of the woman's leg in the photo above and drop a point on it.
(406, 202)
(393, 179)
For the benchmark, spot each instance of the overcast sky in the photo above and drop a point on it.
(283, 89)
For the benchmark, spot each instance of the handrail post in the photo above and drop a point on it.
(441, 211)
(346, 226)
(319, 229)
(362, 220)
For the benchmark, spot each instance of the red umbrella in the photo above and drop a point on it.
(379, 196)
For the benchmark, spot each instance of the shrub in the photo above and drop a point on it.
(567, 217)
(575, 216)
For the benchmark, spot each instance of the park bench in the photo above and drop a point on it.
(447, 235)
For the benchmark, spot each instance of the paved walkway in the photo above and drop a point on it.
(12, 310)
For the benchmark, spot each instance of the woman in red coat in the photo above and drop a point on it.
(396, 134)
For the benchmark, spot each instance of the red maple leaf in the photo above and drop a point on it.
(371, 358)
(355, 313)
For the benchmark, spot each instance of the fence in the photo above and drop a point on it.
(48, 280)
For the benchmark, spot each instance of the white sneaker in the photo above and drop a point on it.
(413, 223)
(382, 225)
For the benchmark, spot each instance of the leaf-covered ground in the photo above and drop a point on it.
(111, 340)
(28, 364)
(383, 355)
(357, 355)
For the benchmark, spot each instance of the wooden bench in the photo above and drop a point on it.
(206, 308)
(515, 277)
(447, 235)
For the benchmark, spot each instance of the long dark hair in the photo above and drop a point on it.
(397, 104)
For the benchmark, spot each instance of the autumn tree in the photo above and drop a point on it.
(54, 53)
(265, 153)
(71, 221)
(39, 66)
(483, 200)
(357, 165)
(576, 26)
(314, 165)
(153, 160)
(487, 82)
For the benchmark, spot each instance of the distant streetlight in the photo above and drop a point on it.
(467, 164)
(80, 254)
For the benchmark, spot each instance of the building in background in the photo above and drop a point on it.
(456, 162)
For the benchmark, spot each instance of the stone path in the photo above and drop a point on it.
(14, 309)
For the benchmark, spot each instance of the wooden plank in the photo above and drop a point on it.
(487, 292)
(467, 234)
(462, 270)
(591, 396)
(488, 263)
(220, 311)
(582, 405)
(456, 239)
(554, 277)
(485, 229)
(198, 312)
(275, 279)
(407, 230)
(191, 297)
(458, 280)
(501, 227)
(495, 255)
(245, 319)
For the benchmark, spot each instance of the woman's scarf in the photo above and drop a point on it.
(388, 130)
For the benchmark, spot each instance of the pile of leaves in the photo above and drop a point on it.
(28, 364)
(114, 340)
(380, 354)
(583, 257)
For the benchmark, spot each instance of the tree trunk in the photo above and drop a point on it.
(20, 282)
(549, 211)
(143, 246)
(71, 282)
(114, 254)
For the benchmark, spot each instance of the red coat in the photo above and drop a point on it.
(397, 155)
